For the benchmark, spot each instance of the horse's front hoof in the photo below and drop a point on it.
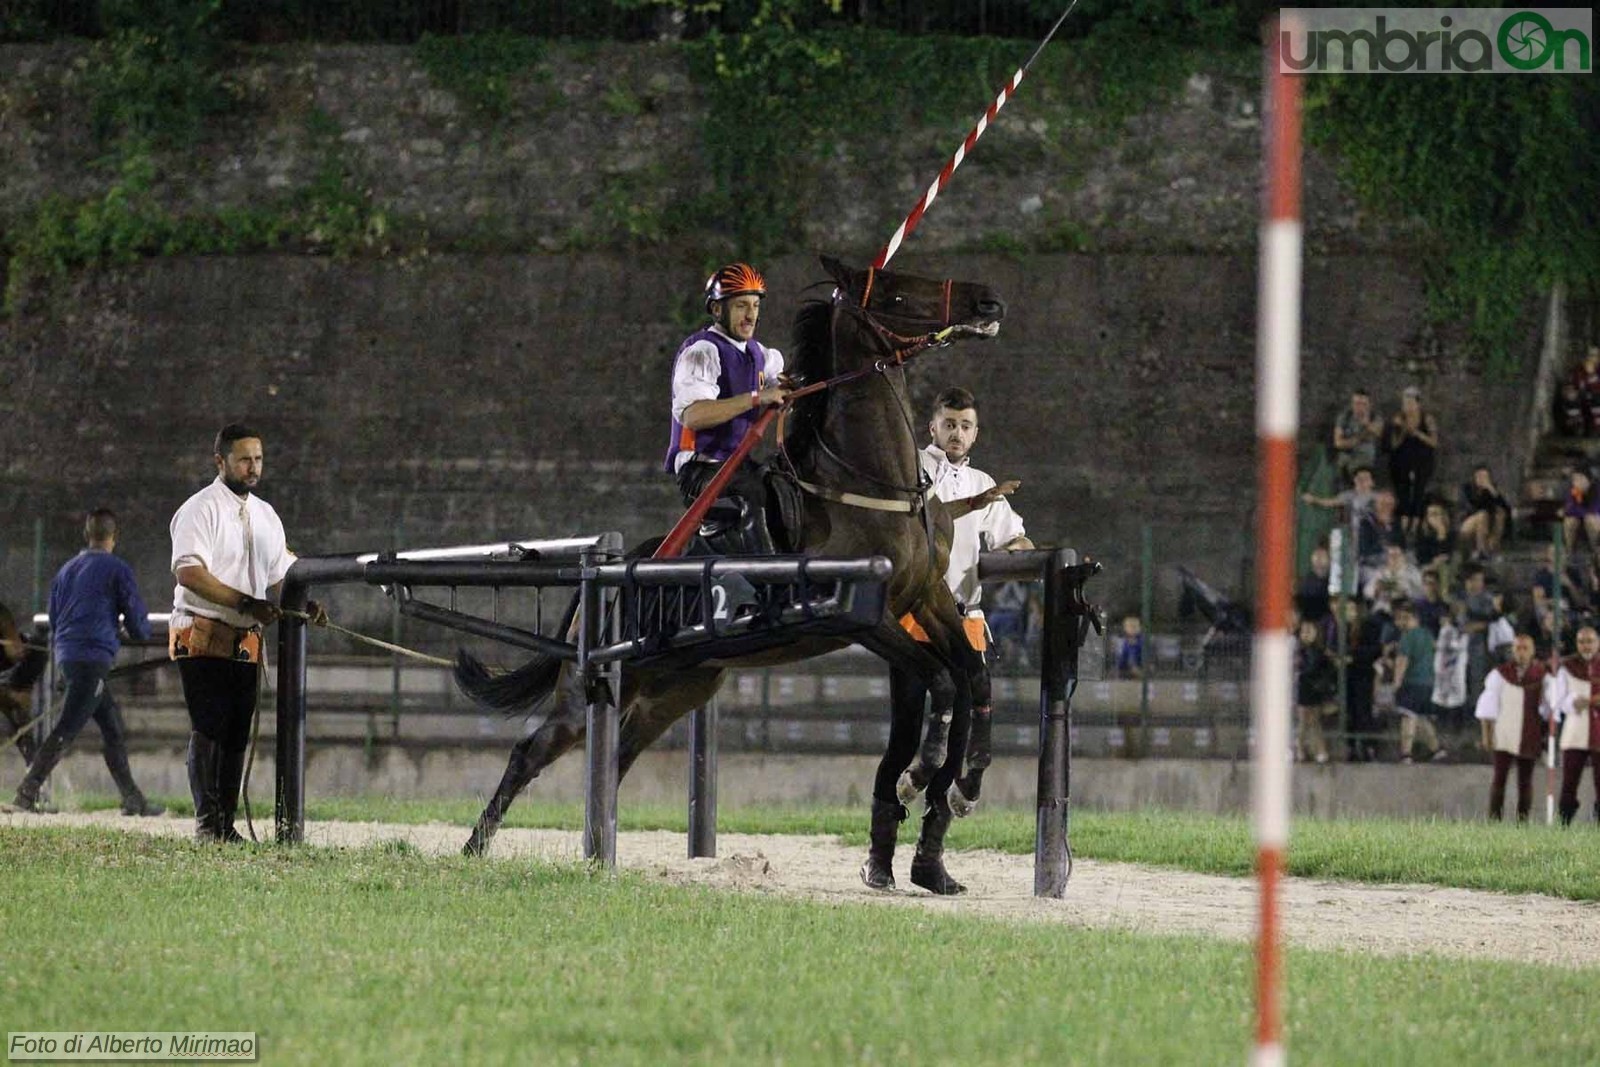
(877, 875)
(910, 786)
(960, 806)
(478, 843)
(929, 873)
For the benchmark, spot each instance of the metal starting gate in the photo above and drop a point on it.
(681, 612)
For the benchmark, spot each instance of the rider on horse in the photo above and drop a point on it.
(721, 378)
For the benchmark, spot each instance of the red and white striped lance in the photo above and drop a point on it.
(988, 117)
(1277, 427)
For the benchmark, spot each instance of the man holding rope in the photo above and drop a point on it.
(87, 596)
(721, 379)
(230, 559)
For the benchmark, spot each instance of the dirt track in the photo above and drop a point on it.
(1389, 920)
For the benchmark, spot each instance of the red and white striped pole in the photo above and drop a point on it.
(1277, 425)
(988, 116)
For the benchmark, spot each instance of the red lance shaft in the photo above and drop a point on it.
(678, 538)
(966, 146)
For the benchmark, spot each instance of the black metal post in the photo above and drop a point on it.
(291, 741)
(600, 775)
(703, 781)
(1050, 830)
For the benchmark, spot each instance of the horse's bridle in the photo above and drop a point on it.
(898, 350)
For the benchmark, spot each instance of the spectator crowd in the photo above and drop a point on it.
(1425, 606)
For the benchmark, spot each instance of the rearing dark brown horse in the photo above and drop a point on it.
(854, 451)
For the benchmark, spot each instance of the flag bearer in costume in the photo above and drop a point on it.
(1515, 701)
(983, 520)
(721, 379)
(1580, 725)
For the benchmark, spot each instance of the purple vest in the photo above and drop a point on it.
(742, 372)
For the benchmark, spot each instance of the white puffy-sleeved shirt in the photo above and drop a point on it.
(239, 540)
(1491, 700)
(695, 373)
(987, 528)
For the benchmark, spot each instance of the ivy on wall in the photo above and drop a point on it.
(1502, 172)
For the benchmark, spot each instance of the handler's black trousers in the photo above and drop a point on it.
(221, 695)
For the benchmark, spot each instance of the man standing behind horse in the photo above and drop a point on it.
(721, 379)
(983, 519)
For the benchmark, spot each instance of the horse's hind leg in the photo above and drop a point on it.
(529, 756)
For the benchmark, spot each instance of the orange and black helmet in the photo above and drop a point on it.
(736, 279)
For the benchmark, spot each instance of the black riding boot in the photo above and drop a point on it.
(1568, 813)
(878, 871)
(964, 793)
(134, 802)
(927, 866)
(232, 773)
(44, 761)
(930, 757)
(753, 532)
(205, 771)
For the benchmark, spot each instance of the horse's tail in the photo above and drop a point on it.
(522, 689)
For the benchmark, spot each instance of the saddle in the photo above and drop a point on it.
(726, 528)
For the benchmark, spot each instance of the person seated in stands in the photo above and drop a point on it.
(1008, 620)
(1130, 648)
(1435, 542)
(1355, 437)
(1355, 502)
(1572, 577)
(1581, 396)
(1378, 531)
(1581, 515)
(1478, 612)
(1316, 691)
(1413, 672)
(1539, 621)
(1432, 608)
(1487, 514)
(1366, 635)
(1311, 596)
(1397, 580)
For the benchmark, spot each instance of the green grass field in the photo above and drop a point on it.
(384, 956)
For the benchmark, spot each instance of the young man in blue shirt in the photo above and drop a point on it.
(86, 598)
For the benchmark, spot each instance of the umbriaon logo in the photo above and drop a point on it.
(1436, 41)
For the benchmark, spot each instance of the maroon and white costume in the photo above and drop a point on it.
(1517, 700)
(1580, 730)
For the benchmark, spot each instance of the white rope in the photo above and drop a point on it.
(437, 661)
